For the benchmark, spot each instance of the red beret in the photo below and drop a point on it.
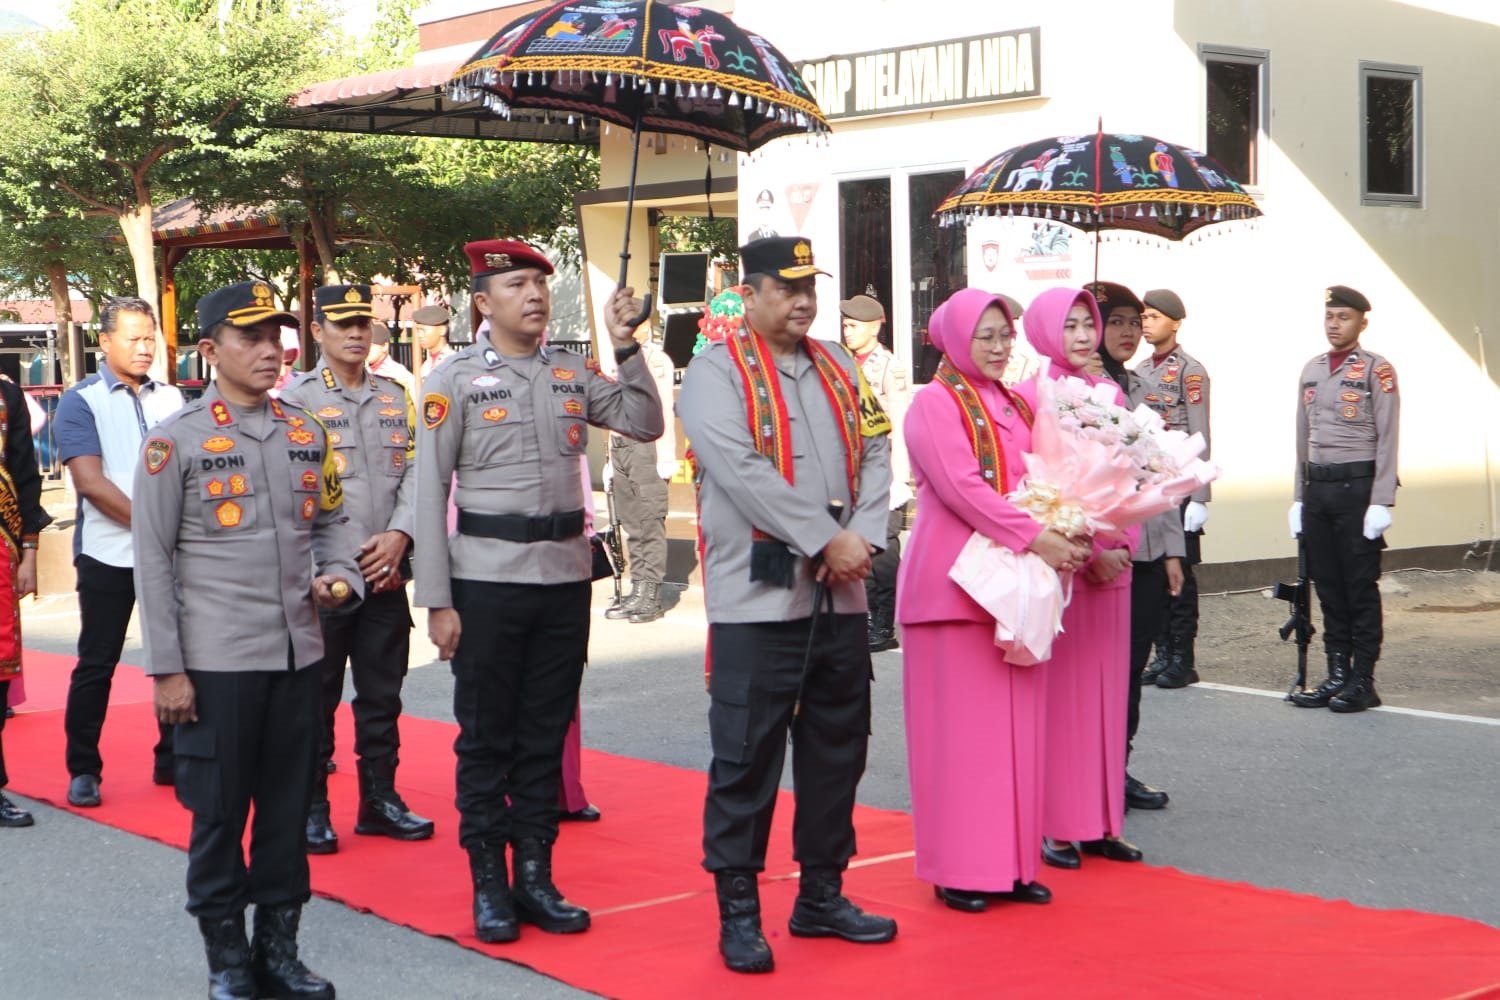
(487, 257)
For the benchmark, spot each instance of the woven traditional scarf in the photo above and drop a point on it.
(771, 561)
(984, 435)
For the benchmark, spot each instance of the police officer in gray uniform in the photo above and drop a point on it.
(1348, 424)
(240, 537)
(1177, 388)
(509, 591)
(781, 427)
(369, 423)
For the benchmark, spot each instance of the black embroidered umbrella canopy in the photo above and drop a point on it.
(644, 65)
(1104, 181)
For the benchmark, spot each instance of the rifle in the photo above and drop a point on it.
(1299, 596)
(612, 539)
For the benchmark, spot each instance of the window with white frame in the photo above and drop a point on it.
(1236, 108)
(1390, 111)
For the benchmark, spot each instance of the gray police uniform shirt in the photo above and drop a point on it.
(741, 489)
(234, 511)
(512, 429)
(1162, 535)
(1177, 389)
(891, 384)
(370, 429)
(1350, 414)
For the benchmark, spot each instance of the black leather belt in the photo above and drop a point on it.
(1339, 473)
(518, 528)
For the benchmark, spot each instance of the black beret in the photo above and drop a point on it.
(1343, 295)
(1166, 302)
(431, 316)
(862, 309)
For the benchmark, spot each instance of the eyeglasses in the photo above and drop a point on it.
(996, 340)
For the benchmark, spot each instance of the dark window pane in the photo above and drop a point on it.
(1390, 135)
(1234, 116)
(865, 242)
(939, 266)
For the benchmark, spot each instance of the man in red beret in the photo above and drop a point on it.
(509, 593)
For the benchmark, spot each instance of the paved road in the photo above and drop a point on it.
(1387, 809)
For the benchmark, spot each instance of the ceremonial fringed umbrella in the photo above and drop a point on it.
(645, 66)
(1104, 181)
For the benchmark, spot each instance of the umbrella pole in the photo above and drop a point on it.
(635, 159)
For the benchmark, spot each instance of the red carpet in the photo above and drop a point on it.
(655, 920)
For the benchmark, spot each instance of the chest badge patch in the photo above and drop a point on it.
(158, 450)
(300, 437)
(218, 443)
(1350, 397)
(1308, 395)
(386, 399)
(309, 508)
(329, 412)
(228, 514)
(495, 414)
(215, 487)
(238, 484)
(573, 407)
(1357, 369)
(484, 381)
(334, 437)
(295, 421)
(340, 463)
(309, 480)
(399, 440)
(575, 434)
(434, 410)
(391, 411)
(1350, 412)
(564, 374)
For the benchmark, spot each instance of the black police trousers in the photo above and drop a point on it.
(516, 674)
(752, 687)
(1179, 625)
(253, 744)
(1344, 565)
(374, 640)
(106, 597)
(880, 585)
(1148, 610)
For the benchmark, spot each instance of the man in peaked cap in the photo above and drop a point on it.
(1177, 388)
(509, 593)
(430, 333)
(382, 364)
(369, 421)
(863, 317)
(1348, 423)
(782, 427)
(240, 538)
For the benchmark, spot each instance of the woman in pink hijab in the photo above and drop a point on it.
(973, 721)
(1088, 677)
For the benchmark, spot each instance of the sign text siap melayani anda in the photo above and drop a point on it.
(1003, 66)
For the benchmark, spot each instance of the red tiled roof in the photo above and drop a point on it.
(40, 312)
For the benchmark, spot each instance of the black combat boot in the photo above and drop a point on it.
(1338, 676)
(648, 608)
(229, 976)
(881, 635)
(381, 810)
(536, 899)
(740, 939)
(494, 917)
(1180, 672)
(321, 839)
(620, 610)
(1359, 694)
(279, 973)
(823, 911)
(1160, 663)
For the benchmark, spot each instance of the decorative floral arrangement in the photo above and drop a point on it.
(1095, 469)
(721, 317)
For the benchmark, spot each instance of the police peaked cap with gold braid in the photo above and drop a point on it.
(341, 303)
(784, 257)
(244, 303)
(487, 257)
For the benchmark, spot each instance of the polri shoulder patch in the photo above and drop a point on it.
(158, 450)
(434, 410)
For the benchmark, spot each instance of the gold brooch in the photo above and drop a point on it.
(497, 260)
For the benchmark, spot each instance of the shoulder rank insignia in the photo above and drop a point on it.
(277, 411)
(434, 410)
(220, 410)
(218, 443)
(158, 450)
(328, 380)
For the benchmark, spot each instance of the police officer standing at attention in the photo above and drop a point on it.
(783, 426)
(240, 537)
(1176, 386)
(509, 591)
(863, 316)
(1348, 416)
(369, 424)
(641, 470)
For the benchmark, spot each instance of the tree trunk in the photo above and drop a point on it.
(62, 309)
(136, 225)
(323, 239)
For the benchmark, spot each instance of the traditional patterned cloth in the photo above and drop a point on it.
(984, 436)
(771, 560)
(21, 517)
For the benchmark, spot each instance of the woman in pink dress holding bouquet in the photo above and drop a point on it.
(1087, 679)
(974, 723)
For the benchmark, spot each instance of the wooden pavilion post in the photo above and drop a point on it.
(170, 258)
(305, 298)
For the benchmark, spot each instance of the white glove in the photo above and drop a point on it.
(666, 470)
(900, 495)
(1377, 519)
(1294, 518)
(609, 475)
(1195, 516)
